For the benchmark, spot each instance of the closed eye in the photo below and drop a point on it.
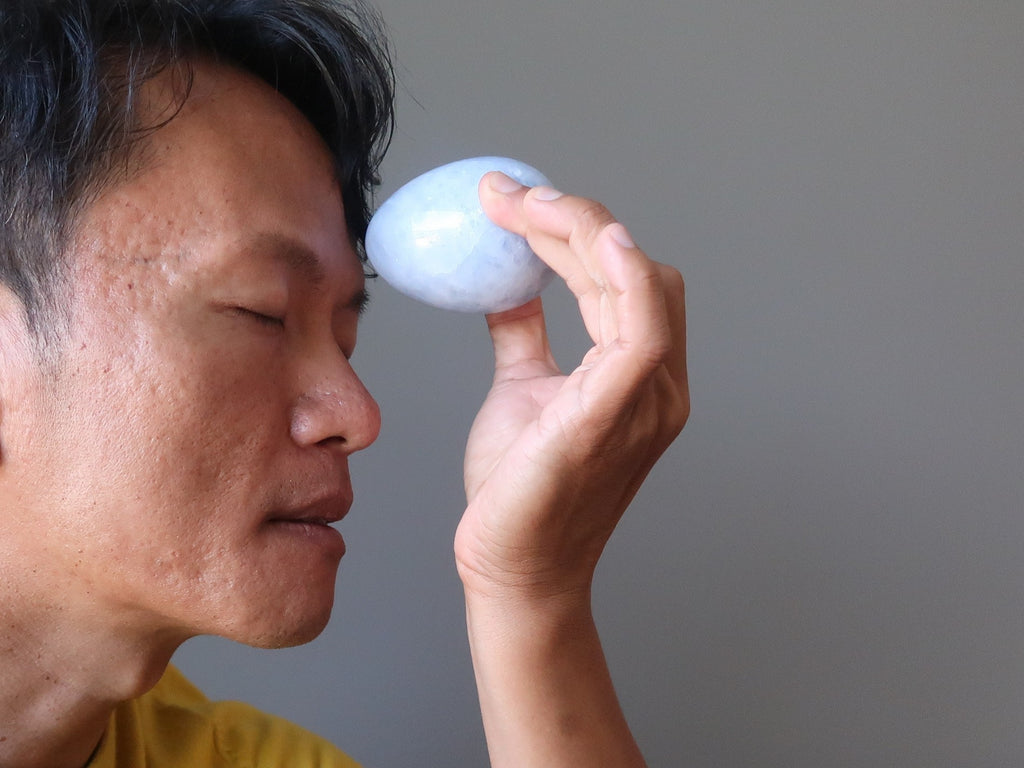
(271, 321)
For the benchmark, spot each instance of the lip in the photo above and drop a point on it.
(302, 536)
(312, 522)
(322, 512)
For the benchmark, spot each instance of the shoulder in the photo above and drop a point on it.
(247, 736)
(175, 724)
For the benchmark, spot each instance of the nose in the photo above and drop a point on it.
(336, 408)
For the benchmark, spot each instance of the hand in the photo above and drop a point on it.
(553, 460)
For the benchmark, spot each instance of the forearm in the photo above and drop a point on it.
(545, 692)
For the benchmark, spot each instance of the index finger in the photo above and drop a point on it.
(620, 290)
(548, 228)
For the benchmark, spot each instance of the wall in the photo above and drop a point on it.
(827, 569)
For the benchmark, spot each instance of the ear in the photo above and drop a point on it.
(16, 352)
(14, 330)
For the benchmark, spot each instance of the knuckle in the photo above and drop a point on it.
(591, 219)
(673, 281)
(680, 415)
(655, 353)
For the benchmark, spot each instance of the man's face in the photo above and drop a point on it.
(173, 469)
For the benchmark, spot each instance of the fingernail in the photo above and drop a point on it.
(546, 194)
(506, 185)
(621, 235)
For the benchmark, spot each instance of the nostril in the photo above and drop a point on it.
(350, 419)
(334, 441)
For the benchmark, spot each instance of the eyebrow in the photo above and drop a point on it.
(298, 257)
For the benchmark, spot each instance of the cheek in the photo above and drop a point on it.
(207, 424)
(175, 434)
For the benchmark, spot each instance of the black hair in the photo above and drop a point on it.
(70, 71)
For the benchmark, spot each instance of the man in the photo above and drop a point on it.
(184, 189)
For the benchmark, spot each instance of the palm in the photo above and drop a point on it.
(513, 406)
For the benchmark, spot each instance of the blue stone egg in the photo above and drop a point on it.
(432, 241)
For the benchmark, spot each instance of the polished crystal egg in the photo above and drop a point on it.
(432, 241)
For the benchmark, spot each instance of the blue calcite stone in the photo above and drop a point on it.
(431, 240)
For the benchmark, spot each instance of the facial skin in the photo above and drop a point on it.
(201, 405)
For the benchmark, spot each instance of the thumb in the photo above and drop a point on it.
(520, 340)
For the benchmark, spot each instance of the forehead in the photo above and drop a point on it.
(234, 160)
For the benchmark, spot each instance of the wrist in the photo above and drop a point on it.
(539, 605)
(526, 592)
(545, 692)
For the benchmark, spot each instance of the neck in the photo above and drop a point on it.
(60, 680)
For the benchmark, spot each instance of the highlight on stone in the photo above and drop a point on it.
(432, 241)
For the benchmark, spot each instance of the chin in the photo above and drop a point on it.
(294, 620)
(287, 637)
(280, 634)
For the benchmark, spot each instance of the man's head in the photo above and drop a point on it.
(71, 72)
(172, 467)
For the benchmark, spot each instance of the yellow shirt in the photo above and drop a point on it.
(175, 725)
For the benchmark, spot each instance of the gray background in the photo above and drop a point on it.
(827, 569)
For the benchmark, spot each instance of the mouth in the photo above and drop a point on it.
(321, 522)
(313, 522)
(309, 521)
(322, 512)
(307, 526)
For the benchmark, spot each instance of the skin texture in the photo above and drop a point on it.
(169, 471)
(201, 406)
